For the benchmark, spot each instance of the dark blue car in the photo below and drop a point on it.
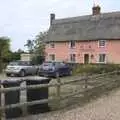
(54, 69)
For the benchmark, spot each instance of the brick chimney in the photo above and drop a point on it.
(52, 17)
(96, 10)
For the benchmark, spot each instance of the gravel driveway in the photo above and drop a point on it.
(104, 108)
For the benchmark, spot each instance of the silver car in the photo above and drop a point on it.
(21, 68)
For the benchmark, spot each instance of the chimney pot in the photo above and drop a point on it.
(96, 10)
(52, 17)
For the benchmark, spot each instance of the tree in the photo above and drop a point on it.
(40, 43)
(4, 50)
(30, 45)
(39, 47)
(15, 55)
(20, 51)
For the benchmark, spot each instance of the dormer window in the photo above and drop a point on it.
(72, 44)
(102, 43)
(52, 45)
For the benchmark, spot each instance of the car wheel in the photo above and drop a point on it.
(8, 75)
(22, 73)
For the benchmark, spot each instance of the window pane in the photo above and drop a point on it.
(102, 43)
(72, 57)
(72, 44)
(102, 57)
(52, 57)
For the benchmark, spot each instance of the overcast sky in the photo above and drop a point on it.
(23, 19)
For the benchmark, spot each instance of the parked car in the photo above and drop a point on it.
(54, 69)
(21, 68)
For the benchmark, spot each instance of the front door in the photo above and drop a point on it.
(86, 58)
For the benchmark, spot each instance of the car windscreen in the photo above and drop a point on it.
(53, 64)
(21, 63)
(47, 64)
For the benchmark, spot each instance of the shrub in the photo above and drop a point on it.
(95, 68)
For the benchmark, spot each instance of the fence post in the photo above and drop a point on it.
(86, 82)
(58, 91)
(117, 72)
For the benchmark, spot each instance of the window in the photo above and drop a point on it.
(72, 44)
(102, 58)
(51, 57)
(52, 45)
(72, 57)
(102, 43)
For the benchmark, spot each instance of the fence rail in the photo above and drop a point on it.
(3, 90)
(58, 90)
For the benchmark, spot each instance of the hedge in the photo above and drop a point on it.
(94, 68)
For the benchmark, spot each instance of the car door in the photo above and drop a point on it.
(64, 69)
(32, 68)
(61, 69)
(29, 68)
(58, 68)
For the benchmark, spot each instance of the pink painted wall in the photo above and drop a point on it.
(62, 51)
(113, 51)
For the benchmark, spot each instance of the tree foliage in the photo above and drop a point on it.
(30, 45)
(15, 55)
(39, 42)
(37, 47)
(4, 50)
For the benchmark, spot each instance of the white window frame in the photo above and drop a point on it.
(104, 58)
(99, 44)
(72, 57)
(50, 55)
(70, 44)
(50, 45)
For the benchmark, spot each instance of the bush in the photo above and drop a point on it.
(38, 60)
(94, 68)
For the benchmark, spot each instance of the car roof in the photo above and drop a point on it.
(53, 62)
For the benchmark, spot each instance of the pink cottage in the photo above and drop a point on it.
(85, 39)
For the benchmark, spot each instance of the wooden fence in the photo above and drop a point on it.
(85, 80)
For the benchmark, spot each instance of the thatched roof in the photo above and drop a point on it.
(102, 26)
